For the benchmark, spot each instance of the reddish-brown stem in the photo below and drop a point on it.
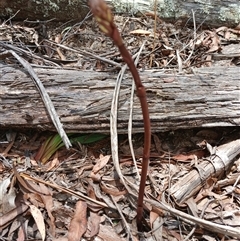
(105, 19)
(141, 93)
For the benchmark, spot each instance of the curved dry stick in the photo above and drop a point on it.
(104, 17)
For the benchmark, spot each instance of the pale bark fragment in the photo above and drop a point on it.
(215, 165)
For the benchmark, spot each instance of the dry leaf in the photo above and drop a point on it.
(21, 235)
(54, 163)
(111, 190)
(8, 217)
(140, 32)
(93, 225)
(78, 225)
(37, 215)
(183, 158)
(7, 196)
(91, 193)
(153, 217)
(100, 163)
(48, 202)
(107, 233)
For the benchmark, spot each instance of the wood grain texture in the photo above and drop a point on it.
(215, 165)
(211, 13)
(209, 98)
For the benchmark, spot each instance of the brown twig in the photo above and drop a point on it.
(104, 17)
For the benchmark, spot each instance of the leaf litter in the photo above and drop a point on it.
(77, 192)
(217, 200)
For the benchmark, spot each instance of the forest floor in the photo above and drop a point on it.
(51, 193)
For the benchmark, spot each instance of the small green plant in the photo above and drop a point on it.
(53, 143)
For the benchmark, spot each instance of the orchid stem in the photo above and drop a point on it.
(104, 17)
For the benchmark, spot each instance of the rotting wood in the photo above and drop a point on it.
(208, 98)
(211, 13)
(215, 165)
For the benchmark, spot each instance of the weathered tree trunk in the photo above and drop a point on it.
(213, 166)
(83, 99)
(212, 12)
(63, 10)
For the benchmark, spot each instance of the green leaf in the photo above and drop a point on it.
(88, 139)
(53, 143)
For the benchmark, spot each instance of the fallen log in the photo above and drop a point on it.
(208, 98)
(211, 13)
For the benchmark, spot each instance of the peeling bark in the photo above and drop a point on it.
(209, 98)
(213, 166)
(212, 13)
